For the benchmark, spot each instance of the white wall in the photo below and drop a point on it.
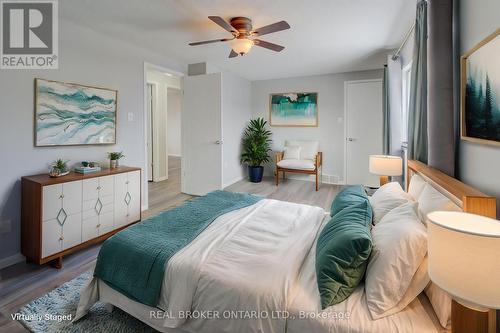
(86, 57)
(236, 112)
(478, 163)
(330, 132)
(174, 121)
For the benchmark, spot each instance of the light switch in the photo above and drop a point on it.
(130, 116)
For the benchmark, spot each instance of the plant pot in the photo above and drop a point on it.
(255, 173)
(113, 164)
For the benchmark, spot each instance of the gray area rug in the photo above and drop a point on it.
(63, 301)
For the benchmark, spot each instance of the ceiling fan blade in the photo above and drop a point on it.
(267, 45)
(210, 41)
(222, 23)
(233, 54)
(278, 26)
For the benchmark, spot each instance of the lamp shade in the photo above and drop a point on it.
(464, 257)
(241, 45)
(385, 165)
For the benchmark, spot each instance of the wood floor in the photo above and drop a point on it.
(22, 283)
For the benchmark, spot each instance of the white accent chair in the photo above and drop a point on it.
(300, 157)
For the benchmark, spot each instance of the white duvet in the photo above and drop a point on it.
(241, 271)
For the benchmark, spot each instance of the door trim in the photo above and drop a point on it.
(346, 83)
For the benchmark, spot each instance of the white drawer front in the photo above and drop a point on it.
(134, 189)
(106, 223)
(106, 186)
(120, 207)
(89, 213)
(107, 200)
(107, 209)
(52, 201)
(90, 189)
(89, 228)
(72, 200)
(72, 231)
(51, 233)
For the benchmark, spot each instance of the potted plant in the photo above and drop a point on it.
(114, 157)
(59, 168)
(256, 148)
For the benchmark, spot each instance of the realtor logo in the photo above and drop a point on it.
(29, 34)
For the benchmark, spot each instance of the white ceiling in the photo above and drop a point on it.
(326, 36)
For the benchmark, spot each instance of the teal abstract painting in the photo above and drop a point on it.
(481, 92)
(294, 109)
(71, 114)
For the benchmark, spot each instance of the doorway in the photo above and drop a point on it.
(363, 129)
(162, 125)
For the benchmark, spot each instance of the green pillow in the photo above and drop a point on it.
(342, 253)
(349, 196)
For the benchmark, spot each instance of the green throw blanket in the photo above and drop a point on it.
(133, 261)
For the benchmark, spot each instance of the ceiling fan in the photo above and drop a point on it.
(244, 36)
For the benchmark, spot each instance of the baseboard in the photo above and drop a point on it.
(174, 155)
(144, 207)
(325, 179)
(160, 179)
(9, 261)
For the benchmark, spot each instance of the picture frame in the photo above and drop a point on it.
(293, 109)
(72, 114)
(480, 92)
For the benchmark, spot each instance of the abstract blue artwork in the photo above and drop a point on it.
(294, 109)
(71, 114)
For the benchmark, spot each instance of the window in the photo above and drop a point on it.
(405, 100)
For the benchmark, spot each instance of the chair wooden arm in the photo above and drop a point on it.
(319, 159)
(279, 156)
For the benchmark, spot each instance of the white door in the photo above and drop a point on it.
(201, 131)
(363, 117)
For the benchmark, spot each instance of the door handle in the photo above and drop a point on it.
(218, 142)
(351, 139)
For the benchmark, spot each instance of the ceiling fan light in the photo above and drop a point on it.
(241, 45)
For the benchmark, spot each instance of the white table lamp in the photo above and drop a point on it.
(385, 166)
(464, 258)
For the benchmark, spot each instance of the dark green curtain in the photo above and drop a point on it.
(417, 112)
(386, 114)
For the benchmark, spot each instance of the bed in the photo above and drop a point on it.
(253, 270)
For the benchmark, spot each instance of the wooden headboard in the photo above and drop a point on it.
(467, 197)
(472, 201)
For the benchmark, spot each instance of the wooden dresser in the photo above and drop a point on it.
(62, 215)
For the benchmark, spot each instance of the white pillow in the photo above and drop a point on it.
(419, 281)
(291, 153)
(399, 248)
(417, 184)
(441, 303)
(308, 149)
(386, 198)
(431, 200)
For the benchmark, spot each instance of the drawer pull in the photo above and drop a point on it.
(61, 196)
(127, 198)
(127, 182)
(98, 187)
(98, 206)
(127, 215)
(61, 238)
(61, 216)
(98, 225)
